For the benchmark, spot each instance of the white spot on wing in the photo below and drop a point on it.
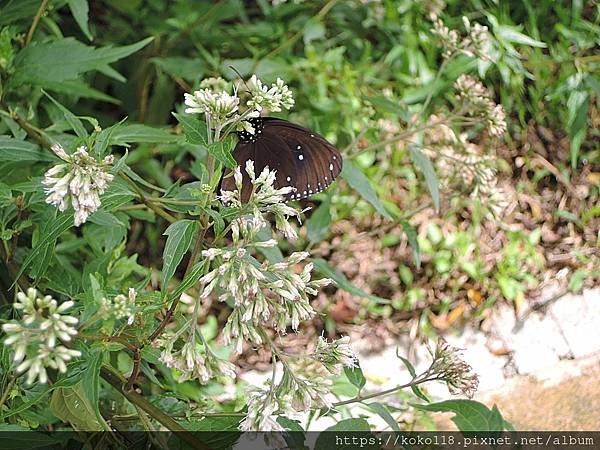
(300, 157)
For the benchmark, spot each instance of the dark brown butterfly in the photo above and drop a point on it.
(302, 158)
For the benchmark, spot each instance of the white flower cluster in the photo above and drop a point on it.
(461, 165)
(222, 109)
(264, 199)
(79, 181)
(448, 365)
(477, 42)
(193, 364)
(478, 102)
(305, 384)
(335, 355)
(273, 98)
(35, 336)
(120, 307)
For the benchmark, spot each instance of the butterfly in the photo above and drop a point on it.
(301, 158)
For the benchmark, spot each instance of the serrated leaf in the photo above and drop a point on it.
(469, 414)
(80, 10)
(179, 238)
(80, 89)
(71, 119)
(424, 164)
(222, 151)
(195, 130)
(15, 150)
(47, 241)
(66, 59)
(411, 235)
(361, 184)
(342, 282)
(382, 411)
(355, 376)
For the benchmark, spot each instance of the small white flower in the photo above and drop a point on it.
(80, 182)
(44, 323)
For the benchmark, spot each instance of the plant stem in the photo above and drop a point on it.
(31, 131)
(361, 398)
(161, 212)
(118, 382)
(7, 390)
(36, 20)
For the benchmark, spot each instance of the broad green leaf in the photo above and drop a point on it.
(190, 279)
(15, 150)
(361, 184)
(424, 164)
(127, 134)
(384, 414)
(355, 376)
(179, 238)
(411, 235)
(71, 405)
(80, 10)
(195, 130)
(469, 414)
(66, 59)
(222, 151)
(15, 437)
(342, 282)
(327, 439)
(178, 66)
(318, 223)
(71, 118)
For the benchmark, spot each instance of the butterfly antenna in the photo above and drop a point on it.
(241, 77)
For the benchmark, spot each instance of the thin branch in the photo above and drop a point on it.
(161, 212)
(36, 20)
(118, 382)
(361, 398)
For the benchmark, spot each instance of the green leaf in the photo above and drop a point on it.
(14, 11)
(15, 437)
(424, 164)
(67, 59)
(80, 10)
(195, 130)
(355, 376)
(15, 150)
(318, 223)
(71, 405)
(47, 241)
(469, 414)
(222, 151)
(91, 380)
(407, 364)
(327, 439)
(342, 282)
(80, 89)
(178, 66)
(179, 239)
(361, 184)
(512, 35)
(71, 118)
(578, 105)
(382, 411)
(127, 134)
(411, 235)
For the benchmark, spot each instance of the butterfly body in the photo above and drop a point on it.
(301, 158)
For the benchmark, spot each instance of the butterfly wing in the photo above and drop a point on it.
(316, 162)
(302, 158)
